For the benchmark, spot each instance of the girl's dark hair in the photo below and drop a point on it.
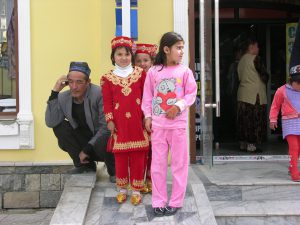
(128, 50)
(152, 57)
(294, 78)
(247, 43)
(168, 39)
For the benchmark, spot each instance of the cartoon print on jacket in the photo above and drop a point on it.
(166, 96)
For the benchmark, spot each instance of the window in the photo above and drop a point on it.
(8, 57)
(17, 128)
(132, 16)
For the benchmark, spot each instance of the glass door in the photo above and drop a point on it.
(208, 104)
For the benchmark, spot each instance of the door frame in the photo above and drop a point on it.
(192, 59)
(192, 114)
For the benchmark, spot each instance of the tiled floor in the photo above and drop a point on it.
(248, 173)
(110, 212)
(274, 146)
(104, 210)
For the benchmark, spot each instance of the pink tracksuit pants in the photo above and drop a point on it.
(164, 140)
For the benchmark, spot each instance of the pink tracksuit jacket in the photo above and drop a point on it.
(282, 102)
(164, 88)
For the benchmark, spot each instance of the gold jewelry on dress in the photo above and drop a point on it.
(138, 101)
(132, 144)
(128, 115)
(109, 116)
(122, 182)
(126, 82)
(138, 184)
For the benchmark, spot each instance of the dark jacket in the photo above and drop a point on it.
(59, 109)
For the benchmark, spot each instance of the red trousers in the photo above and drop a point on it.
(294, 150)
(148, 159)
(130, 168)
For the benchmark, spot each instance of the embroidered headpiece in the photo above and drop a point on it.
(121, 41)
(146, 48)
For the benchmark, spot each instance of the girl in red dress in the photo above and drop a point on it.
(122, 90)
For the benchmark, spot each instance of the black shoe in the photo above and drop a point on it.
(92, 166)
(169, 210)
(112, 179)
(159, 211)
(82, 169)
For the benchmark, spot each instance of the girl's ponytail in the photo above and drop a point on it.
(160, 58)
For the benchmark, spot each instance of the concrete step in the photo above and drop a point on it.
(253, 192)
(256, 204)
(246, 193)
(257, 212)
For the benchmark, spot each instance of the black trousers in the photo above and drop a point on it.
(72, 141)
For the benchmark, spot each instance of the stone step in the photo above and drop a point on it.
(253, 192)
(256, 208)
(257, 212)
(74, 201)
(103, 208)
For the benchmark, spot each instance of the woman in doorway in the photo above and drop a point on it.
(252, 98)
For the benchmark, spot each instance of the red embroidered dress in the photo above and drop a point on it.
(122, 99)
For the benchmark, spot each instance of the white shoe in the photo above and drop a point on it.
(251, 147)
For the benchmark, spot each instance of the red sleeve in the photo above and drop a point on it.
(143, 78)
(107, 98)
(276, 105)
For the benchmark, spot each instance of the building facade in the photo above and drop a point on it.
(51, 33)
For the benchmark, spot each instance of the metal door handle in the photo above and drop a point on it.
(210, 105)
(202, 58)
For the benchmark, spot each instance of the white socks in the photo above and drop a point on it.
(123, 190)
(136, 193)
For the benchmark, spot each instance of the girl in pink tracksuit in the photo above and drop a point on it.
(287, 98)
(169, 90)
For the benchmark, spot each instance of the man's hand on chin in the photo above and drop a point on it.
(83, 157)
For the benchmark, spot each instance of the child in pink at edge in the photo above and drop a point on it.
(287, 99)
(169, 90)
(144, 58)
